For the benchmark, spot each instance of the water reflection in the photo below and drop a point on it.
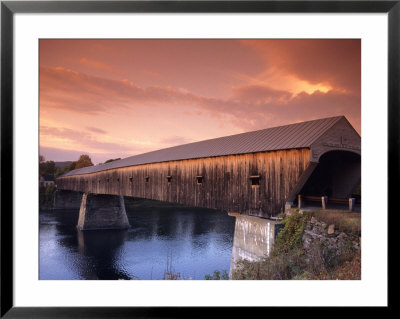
(103, 248)
(194, 241)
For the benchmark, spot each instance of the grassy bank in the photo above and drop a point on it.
(290, 260)
(344, 221)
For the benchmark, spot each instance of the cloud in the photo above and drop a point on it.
(153, 74)
(59, 154)
(249, 107)
(98, 65)
(65, 89)
(268, 111)
(176, 140)
(334, 61)
(259, 94)
(62, 88)
(96, 130)
(73, 139)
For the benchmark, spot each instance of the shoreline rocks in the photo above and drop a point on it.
(317, 232)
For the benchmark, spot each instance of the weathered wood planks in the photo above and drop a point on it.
(226, 182)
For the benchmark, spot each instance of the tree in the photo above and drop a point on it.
(47, 168)
(49, 195)
(65, 169)
(83, 161)
(70, 167)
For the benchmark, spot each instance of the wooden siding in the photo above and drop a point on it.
(226, 181)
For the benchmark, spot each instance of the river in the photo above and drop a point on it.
(193, 242)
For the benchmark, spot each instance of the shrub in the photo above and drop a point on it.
(217, 275)
(277, 267)
(46, 196)
(50, 193)
(290, 237)
(171, 276)
(350, 269)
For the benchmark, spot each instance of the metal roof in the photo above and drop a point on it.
(298, 135)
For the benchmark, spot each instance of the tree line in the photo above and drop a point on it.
(49, 167)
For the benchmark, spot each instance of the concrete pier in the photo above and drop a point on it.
(100, 211)
(253, 238)
(66, 199)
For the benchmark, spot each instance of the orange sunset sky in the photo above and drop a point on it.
(117, 98)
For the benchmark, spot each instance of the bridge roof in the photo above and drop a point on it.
(298, 135)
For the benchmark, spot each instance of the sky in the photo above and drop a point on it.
(117, 98)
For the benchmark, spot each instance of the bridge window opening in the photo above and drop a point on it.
(169, 179)
(131, 179)
(108, 180)
(147, 178)
(118, 180)
(255, 180)
(199, 179)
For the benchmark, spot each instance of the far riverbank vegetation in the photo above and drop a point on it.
(49, 171)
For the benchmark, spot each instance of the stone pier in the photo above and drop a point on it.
(98, 211)
(65, 199)
(253, 238)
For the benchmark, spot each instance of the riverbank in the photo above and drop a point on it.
(311, 246)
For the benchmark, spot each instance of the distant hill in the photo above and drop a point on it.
(62, 164)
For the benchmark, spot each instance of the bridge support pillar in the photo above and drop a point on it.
(254, 238)
(66, 199)
(100, 211)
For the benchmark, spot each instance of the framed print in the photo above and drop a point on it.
(196, 140)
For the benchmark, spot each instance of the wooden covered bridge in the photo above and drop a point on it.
(255, 173)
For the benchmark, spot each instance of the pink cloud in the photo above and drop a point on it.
(59, 154)
(249, 107)
(96, 130)
(98, 65)
(259, 94)
(86, 140)
(175, 140)
(337, 61)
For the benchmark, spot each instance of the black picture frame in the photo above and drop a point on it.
(9, 8)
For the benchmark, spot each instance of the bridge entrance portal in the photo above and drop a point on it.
(337, 176)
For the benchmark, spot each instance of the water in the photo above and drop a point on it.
(190, 241)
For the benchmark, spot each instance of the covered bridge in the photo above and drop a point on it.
(252, 173)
